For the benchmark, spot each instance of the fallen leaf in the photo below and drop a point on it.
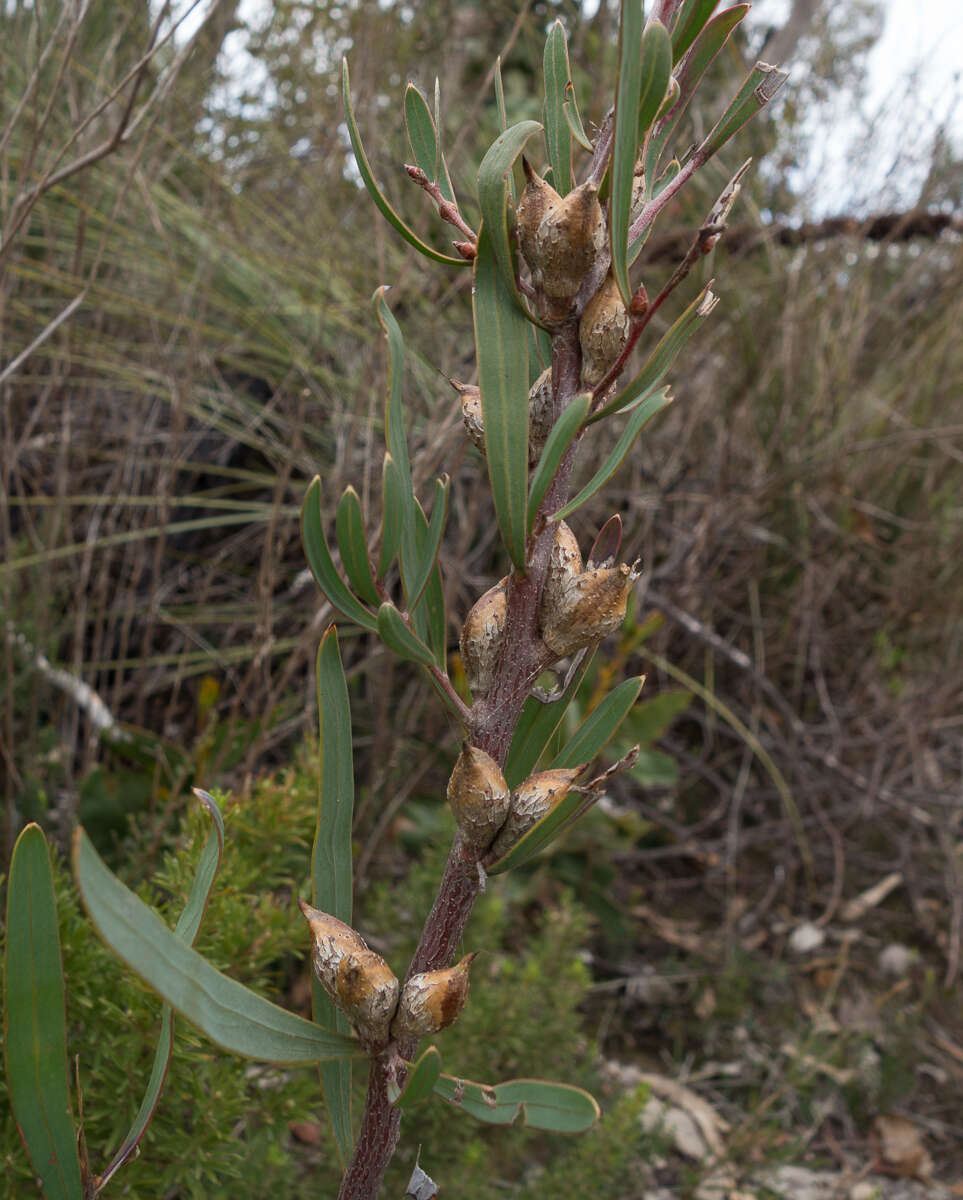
(900, 1148)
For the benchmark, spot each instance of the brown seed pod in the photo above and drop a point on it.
(479, 797)
(535, 201)
(481, 639)
(531, 801)
(569, 239)
(638, 190)
(540, 415)
(564, 566)
(471, 412)
(603, 331)
(592, 606)
(359, 981)
(432, 1001)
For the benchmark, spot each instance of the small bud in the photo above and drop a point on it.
(592, 606)
(540, 415)
(569, 238)
(564, 566)
(479, 797)
(603, 331)
(468, 250)
(358, 981)
(432, 1001)
(471, 412)
(481, 639)
(535, 201)
(531, 801)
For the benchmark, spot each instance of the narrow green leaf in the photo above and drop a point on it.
(231, 1015)
(760, 86)
(429, 616)
(557, 74)
(501, 339)
(656, 76)
(322, 566)
(535, 728)
(422, 1077)
(35, 1031)
(398, 637)
(625, 137)
(442, 176)
(381, 201)
(601, 725)
(493, 174)
(331, 862)
(500, 95)
(690, 22)
(649, 721)
(428, 554)
(661, 358)
(392, 514)
(353, 544)
(644, 411)
(421, 131)
(186, 929)
(573, 120)
(563, 434)
(535, 1103)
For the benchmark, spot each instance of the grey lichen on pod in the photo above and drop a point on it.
(541, 415)
(603, 331)
(481, 639)
(432, 1000)
(568, 240)
(358, 980)
(471, 412)
(564, 566)
(536, 199)
(591, 607)
(479, 797)
(531, 801)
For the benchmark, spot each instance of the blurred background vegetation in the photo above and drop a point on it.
(186, 338)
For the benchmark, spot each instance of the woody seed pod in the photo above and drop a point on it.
(471, 412)
(568, 240)
(479, 797)
(432, 1001)
(540, 415)
(359, 981)
(603, 331)
(564, 566)
(536, 199)
(638, 190)
(481, 639)
(531, 801)
(592, 606)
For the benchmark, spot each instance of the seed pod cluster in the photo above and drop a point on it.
(560, 236)
(481, 639)
(432, 1001)
(531, 801)
(358, 980)
(479, 797)
(603, 331)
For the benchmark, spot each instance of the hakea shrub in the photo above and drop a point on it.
(556, 317)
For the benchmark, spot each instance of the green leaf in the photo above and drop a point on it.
(322, 566)
(428, 553)
(656, 75)
(573, 119)
(423, 138)
(625, 139)
(563, 434)
(422, 1077)
(331, 862)
(557, 74)
(353, 544)
(500, 95)
(535, 1103)
(661, 358)
(430, 613)
(231, 1015)
(186, 929)
(690, 22)
(398, 637)
(392, 514)
(501, 340)
(601, 725)
(381, 201)
(641, 414)
(535, 727)
(649, 721)
(493, 174)
(760, 86)
(654, 769)
(35, 1031)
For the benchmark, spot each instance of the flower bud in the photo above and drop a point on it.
(591, 607)
(541, 413)
(603, 331)
(535, 201)
(568, 240)
(479, 797)
(432, 1001)
(481, 639)
(531, 801)
(359, 982)
(564, 566)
